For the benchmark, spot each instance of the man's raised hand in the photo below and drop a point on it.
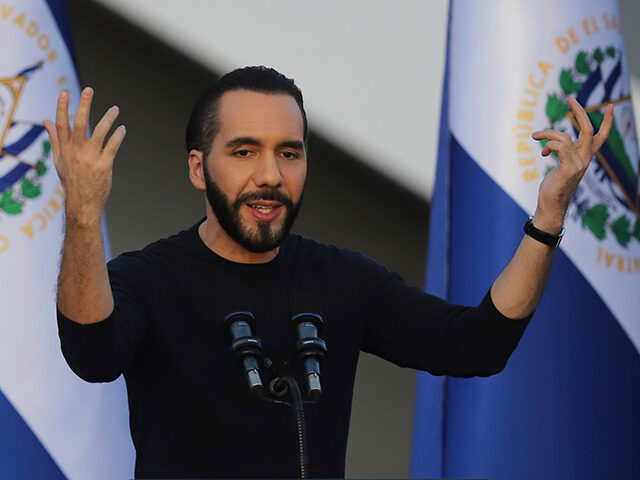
(84, 164)
(561, 182)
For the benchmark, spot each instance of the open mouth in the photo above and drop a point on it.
(265, 210)
(262, 208)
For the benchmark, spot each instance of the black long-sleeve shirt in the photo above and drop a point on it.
(191, 412)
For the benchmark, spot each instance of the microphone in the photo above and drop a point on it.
(245, 346)
(311, 349)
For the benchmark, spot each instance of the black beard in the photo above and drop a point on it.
(260, 240)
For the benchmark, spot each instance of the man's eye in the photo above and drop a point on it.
(242, 153)
(290, 155)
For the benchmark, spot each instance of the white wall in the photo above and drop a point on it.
(371, 72)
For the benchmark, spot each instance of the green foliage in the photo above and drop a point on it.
(10, 205)
(595, 219)
(582, 63)
(556, 109)
(567, 83)
(41, 168)
(611, 52)
(620, 229)
(29, 189)
(598, 55)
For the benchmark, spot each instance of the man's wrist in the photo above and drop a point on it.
(79, 218)
(547, 222)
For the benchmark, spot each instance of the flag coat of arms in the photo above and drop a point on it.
(566, 406)
(53, 424)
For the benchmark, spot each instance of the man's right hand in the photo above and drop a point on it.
(83, 165)
(84, 168)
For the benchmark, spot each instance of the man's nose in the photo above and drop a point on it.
(268, 172)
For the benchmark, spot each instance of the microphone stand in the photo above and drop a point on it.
(248, 349)
(280, 386)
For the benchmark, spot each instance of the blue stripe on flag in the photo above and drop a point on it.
(588, 86)
(17, 147)
(27, 72)
(566, 406)
(22, 456)
(13, 176)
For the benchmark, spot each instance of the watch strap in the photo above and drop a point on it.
(543, 237)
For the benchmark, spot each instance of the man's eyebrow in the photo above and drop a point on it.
(295, 144)
(236, 142)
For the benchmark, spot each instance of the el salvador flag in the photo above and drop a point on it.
(568, 403)
(52, 424)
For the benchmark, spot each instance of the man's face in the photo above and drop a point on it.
(257, 167)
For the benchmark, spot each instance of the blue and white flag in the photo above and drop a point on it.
(568, 403)
(52, 424)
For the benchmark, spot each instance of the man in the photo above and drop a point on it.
(156, 315)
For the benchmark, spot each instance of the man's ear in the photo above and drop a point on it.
(196, 169)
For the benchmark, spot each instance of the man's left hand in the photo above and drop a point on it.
(561, 182)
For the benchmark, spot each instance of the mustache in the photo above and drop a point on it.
(271, 195)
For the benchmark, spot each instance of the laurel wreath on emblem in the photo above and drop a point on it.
(596, 217)
(20, 182)
(14, 198)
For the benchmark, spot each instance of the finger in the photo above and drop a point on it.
(62, 116)
(112, 146)
(546, 151)
(603, 131)
(53, 138)
(555, 146)
(104, 125)
(81, 121)
(551, 135)
(586, 128)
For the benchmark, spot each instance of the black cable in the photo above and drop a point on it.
(279, 387)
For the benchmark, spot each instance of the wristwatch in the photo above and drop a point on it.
(543, 237)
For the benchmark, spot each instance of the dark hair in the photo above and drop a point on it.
(203, 122)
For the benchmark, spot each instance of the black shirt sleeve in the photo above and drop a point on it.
(100, 352)
(414, 329)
